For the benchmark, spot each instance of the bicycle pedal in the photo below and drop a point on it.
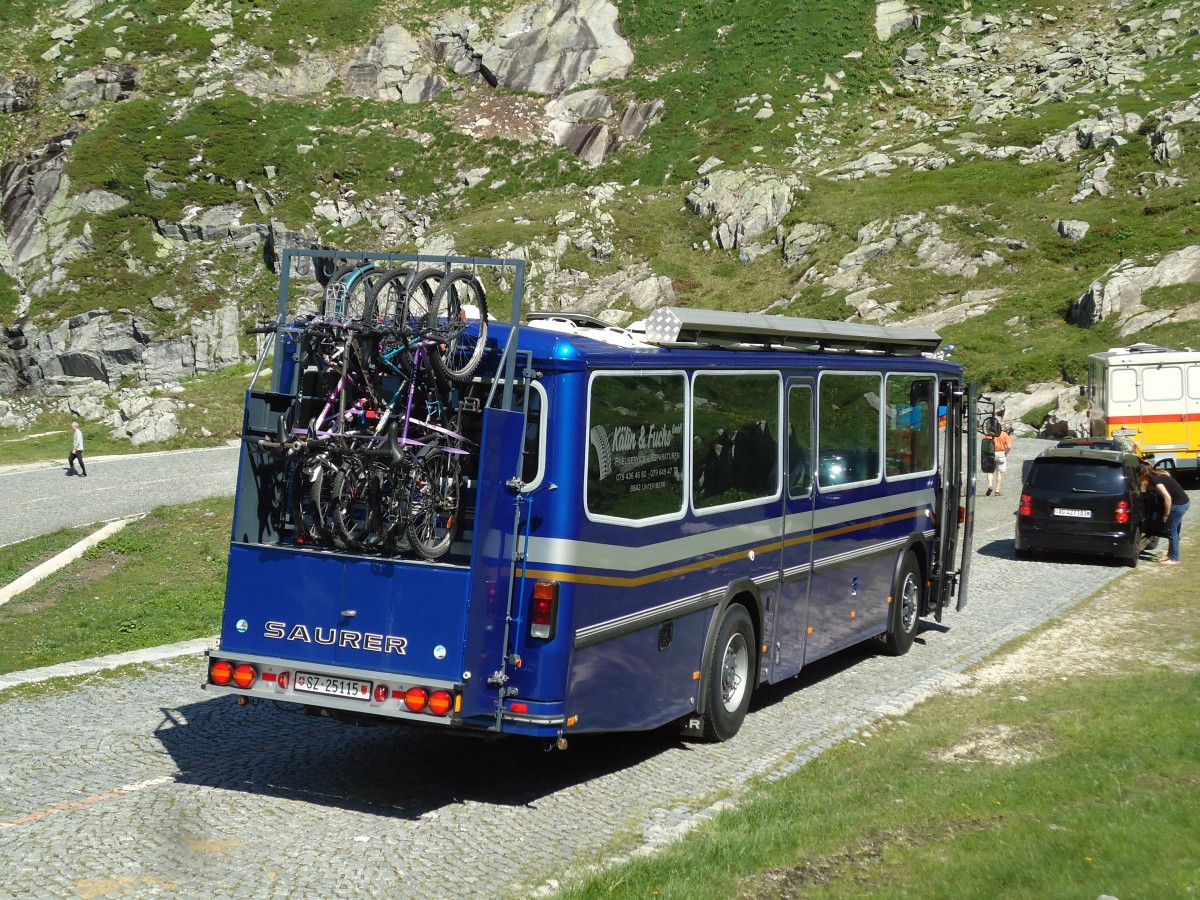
(469, 404)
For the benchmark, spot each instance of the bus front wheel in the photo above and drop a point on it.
(730, 675)
(905, 614)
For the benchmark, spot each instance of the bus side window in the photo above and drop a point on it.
(800, 441)
(848, 428)
(734, 437)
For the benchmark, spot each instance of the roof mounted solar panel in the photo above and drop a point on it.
(672, 325)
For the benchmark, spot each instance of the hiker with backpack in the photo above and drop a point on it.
(993, 451)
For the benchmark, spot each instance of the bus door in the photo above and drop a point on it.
(1191, 413)
(791, 608)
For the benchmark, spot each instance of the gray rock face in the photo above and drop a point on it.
(18, 93)
(98, 350)
(1119, 294)
(551, 48)
(108, 83)
(28, 188)
(394, 67)
(893, 17)
(745, 204)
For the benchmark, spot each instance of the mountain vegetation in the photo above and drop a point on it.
(995, 169)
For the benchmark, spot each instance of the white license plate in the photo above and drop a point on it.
(335, 687)
(1074, 513)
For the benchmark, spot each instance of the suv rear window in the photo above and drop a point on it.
(1071, 476)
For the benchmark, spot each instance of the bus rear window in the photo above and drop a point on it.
(635, 446)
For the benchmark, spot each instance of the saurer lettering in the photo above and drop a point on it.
(333, 637)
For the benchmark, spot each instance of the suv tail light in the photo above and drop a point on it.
(1123, 512)
(543, 610)
(1026, 507)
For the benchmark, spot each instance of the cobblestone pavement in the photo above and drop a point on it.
(138, 784)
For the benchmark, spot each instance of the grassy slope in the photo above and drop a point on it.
(685, 55)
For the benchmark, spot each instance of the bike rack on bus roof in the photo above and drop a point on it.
(508, 359)
(673, 325)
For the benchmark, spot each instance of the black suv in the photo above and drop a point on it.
(1080, 500)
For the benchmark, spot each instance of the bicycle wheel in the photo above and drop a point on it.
(419, 301)
(388, 296)
(360, 292)
(460, 337)
(351, 505)
(324, 473)
(392, 497)
(300, 503)
(436, 496)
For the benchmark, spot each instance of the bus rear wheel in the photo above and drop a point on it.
(730, 675)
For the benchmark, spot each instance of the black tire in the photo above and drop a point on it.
(732, 670)
(324, 474)
(459, 346)
(904, 616)
(351, 505)
(393, 498)
(436, 494)
(1132, 561)
(301, 504)
(389, 296)
(419, 299)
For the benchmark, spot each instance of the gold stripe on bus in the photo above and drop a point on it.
(641, 580)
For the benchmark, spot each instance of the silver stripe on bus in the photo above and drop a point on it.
(619, 558)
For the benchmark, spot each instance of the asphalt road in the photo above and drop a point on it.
(40, 498)
(140, 784)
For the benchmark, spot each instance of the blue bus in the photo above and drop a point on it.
(655, 522)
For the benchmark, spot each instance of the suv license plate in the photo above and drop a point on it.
(336, 687)
(1074, 513)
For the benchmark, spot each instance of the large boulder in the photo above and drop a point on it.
(744, 203)
(553, 47)
(18, 93)
(394, 67)
(1119, 293)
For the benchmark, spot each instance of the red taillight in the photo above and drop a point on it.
(244, 675)
(543, 610)
(381, 693)
(416, 699)
(1026, 507)
(440, 702)
(221, 672)
(1123, 512)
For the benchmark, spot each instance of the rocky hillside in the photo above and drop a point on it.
(1021, 175)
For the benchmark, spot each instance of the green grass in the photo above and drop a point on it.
(1096, 795)
(157, 581)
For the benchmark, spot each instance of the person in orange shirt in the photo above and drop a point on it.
(996, 477)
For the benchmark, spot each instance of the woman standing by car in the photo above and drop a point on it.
(1175, 504)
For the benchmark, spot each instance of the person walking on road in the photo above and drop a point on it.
(76, 451)
(1001, 445)
(1175, 503)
